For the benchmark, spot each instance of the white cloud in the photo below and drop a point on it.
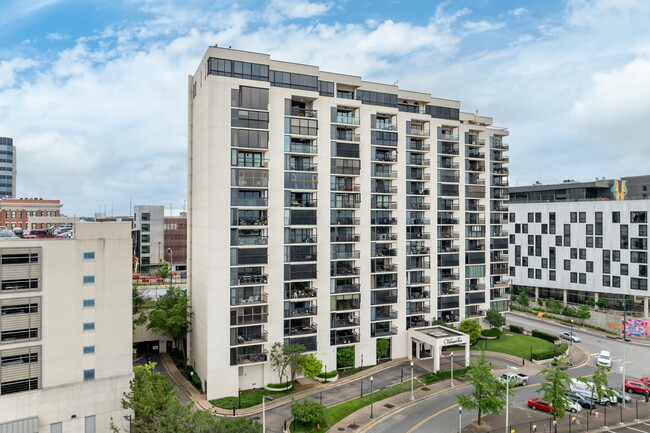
(10, 68)
(518, 12)
(481, 26)
(56, 36)
(299, 9)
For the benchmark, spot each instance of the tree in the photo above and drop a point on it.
(157, 409)
(294, 353)
(163, 270)
(522, 298)
(345, 357)
(170, 317)
(472, 328)
(137, 299)
(495, 319)
(554, 306)
(553, 389)
(598, 384)
(489, 395)
(583, 312)
(308, 412)
(279, 362)
(382, 347)
(311, 366)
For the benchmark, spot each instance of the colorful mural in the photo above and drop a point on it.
(633, 327)
(619, 190)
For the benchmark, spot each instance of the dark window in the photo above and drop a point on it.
(551, 275)
(326, 88)
(606, 280)
(574, 277)
(582, 278)
(624, 269)
(574, 217)
(377, 98)
(590, 266)
(442, 112)
(291, 80)
(567, 265)
(582, 217)
(616, 217)
(229, 68)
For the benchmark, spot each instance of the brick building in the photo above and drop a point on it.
(15, 212)
(176, 240)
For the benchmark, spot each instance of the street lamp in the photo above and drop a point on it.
(412, 381)
(460, 419)
(372, 414)
(508, 393)
(452, 368)
(571, 342)
(171, 265)
(624, 329)
(129, 418)
(264, 398)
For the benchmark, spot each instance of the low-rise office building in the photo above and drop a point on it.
(65, 330)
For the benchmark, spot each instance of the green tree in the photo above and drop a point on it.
(311, 366)
(472, 328)
(163, 270)
(583, 312)
(345, 357)
(295, 355)
(279, 362)
(495, 319)
(308, 412)
(382, 347)
(170, 316)
(522, 298)
(137, 299)
(598, 384)
(489, 395)
(554, 306)
(554, 388)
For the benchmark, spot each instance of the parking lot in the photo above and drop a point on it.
(643, 427)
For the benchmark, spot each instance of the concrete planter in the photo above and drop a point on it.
(329, 379)
(279, 389)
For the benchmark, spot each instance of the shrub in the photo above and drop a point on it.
(517, 329)
(441, 375)
(554, 306)
(522, 298)
(494, 332)
(568, 311)
(472, 328)
(345, 357)
(328, 375)
(544, 336)
(382, 347)
(495, 319)
(279, 385)
(583, 312)
(308, 412)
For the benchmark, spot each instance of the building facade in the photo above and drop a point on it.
(176, 242)
(7, 168)
(15, 212)
(149, 222)
(331, 212)
(65, 330)
(582, 242)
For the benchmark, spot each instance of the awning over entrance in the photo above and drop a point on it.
(433, 340)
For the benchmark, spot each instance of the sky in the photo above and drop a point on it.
(94, 93)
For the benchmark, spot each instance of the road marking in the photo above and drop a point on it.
(432, 416)
(636, 429)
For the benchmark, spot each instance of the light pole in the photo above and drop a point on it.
(171, 265)
(372, 414)
(264, 398)
(452, 368)
(508, 393)
(624, 328)
(412, 381)
(571, 342)
(129, 418)
(326, 374)
(460, 419)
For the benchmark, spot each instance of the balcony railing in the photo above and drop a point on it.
(252, 240)
(347, 305)
(384, 126)
(301, 312)
(262, 298)
(418, 251)
(301, 330)
(249, 319)
(473, 154)
(252, 201)
(380, 332)
(252, 358)
(412, 308)
(345, 204)
(302, 112)
(344, 221)
(448, 137)
(344, 238)
(419, 221)
(302, 148)
(341, 255)
(420, 206)
(344, 322)
(418, 131)
(387, 252)
(388, 314)
(385, 221)
(448, 235)
(247, 280)
(344, 339)
(348, 137)
(385, 205)
(388, 174)
(420, 192)
(385, 157)
(385, 237)
(251, 339)
(448, 277)
(347, 120)
(345, 188)
(347, 288)
(416, 235)
(446, 150)
(418, 295)
(384, 190)
(418, 146)
(386, 268)
(306, 292)
(345, 272)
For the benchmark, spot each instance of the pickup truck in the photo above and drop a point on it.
(514, 379)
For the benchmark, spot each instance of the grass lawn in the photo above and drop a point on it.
(253, 397)
(336, 413)
(515, 344)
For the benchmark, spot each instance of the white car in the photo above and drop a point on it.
(604, 358)
(573, 407)
(570, 336)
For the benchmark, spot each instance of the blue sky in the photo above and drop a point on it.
(94, 92)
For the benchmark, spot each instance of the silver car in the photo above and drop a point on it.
(570, 336)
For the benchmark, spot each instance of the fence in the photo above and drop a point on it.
(601, 416)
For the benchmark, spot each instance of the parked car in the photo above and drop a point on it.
(6, 234)
(514, 378)
(570, 336)
(539, 404)
(619, 395)
(581, 400)
(646, 380)
(636, 386)
(604, 358)
(38, 234)
(586, 391)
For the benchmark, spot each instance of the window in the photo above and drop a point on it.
(56, 428)
(551, 223)
(538, 217)
(567, 265)
(606, 281)
(616, 255)
(524, 228)
(145, 238)
(517, 228)
(249, 119)
(599, 223)
(616, 217)
(146, 227)
(89, 326)
(574, 253)
(624, 236)
(551, 275)
(643, 230)
(531, 239)
(89, 350)
(616, 281)
(574, 277)
(544, 229)
(558, 241)
(582, 217)
(638, 257)
(377, 98)
(544, 263)
(582, 278)
(590, 266)
(574, 217)
(639, 284)
(293, 81)
(89, 255)
(88, 303)
(590, 229)
(583, 254)
(531, 217)
(638, 217)
(90, 420)
(538, 274)
(13, 214)
(624, 269)
(531, 273)
(599, 242)
(89, 374)
(146, 249)
(229, 68)
(590, 242)
(89, 279)
(524, 261)
(250, 97)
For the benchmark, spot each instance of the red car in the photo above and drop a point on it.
(38, 234)
(646, 380)
(636, 386)
(538, 403)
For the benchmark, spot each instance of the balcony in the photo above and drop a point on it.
(344, 320)
(248, 280)
(308, 239)
(449, 150)
(346, 221)
(383, 297)
(418, 146)
(302, 166)
(384, 268)
(419, 206)
(417, 251)
(419, 221)
(344, 337)
(384, 221)
(346, 120)
(385, 252)
(262, 221)
(500, 158)
(385, 173)
(344, 271)
(309, 149)
(475, 167)
(384, 237)
(251, 201)
(419, 132)
(347, 304)
(447, 137)
(418, 280)
(384, 189)
(345, 188)
(385, 283)
(418, 294)
(347, 288)
(345, 204)
(447, 276)
(250, 338)
(447, 234)
(471, 153)
(384, 313)
(304, 203)
(385, 126)
(417, 308)
(297, 291)
(475, 193)
(384, 205)
(355, 138)
(416, 322)
(475, 180)
(252, 358)
(301, 112)
(301, 312)
(252, 240)
(448, 290)
(382, 331)
(385, 157)
(419, 191)
(344, 238)
(473, 287)
(239, 318)
(417, 235)
(343, 255)
(418, 263)
(448, 221)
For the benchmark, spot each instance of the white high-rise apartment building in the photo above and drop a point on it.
(65, 330)
(330, 211)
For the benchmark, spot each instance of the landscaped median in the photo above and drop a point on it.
(522, 346)
(336, 413)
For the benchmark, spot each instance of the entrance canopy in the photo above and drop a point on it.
(433, 340)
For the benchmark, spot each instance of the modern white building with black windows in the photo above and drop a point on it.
(330, 211)
(580, 241)
(65, 330)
